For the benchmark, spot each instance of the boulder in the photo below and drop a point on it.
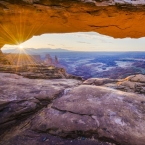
(134, 83)
(119, 116)
(98, 81)
(136, 78)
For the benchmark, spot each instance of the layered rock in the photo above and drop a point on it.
(38, 71)
(133, 83)
(66, 111)
(31, 67)
(14, 104)
(99, 81)
(3, 59)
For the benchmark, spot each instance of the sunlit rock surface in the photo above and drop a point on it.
(133, 83)
(20, 20)
(70, 112)
(37, 71)
(3, 59)
(99, 81)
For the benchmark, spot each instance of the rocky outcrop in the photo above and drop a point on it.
(44, 72)
(3, 59)
(38, 93)
(66, 111)
(38, 71)
(136, 78)
(133, 83)
(48, 60)
(116, 18)
(99, 81)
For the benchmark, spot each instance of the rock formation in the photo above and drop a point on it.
(56, 62)
(22, 19)
(48, 60)
(71, 112)
(22, 59)
(38, 71)
(98, 81)
(133, 83)
(3, 59)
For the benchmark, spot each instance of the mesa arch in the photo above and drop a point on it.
(22, 19)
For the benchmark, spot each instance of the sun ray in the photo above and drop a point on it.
(8, 35)
(21, 57)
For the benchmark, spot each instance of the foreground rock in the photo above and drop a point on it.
(67, 112)
(21, 97)
(118, 116)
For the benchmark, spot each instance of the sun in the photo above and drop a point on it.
(21, 47)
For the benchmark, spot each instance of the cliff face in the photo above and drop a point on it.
(20, 20)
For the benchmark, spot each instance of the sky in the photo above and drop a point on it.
(82, 41)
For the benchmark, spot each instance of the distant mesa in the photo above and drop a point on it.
(26, 59)
(33, 55)
(33, 51)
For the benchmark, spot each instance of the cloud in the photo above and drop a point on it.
(93, 36)
(68, 47)
(9, 47)
(83, 42)
(51, 45)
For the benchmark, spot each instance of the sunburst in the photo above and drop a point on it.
(20, 47)
(20, 32)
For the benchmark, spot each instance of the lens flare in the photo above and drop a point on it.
(21, 47)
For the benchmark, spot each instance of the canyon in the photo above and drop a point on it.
(43, 105)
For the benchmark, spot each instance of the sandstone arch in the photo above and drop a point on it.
(20, 20)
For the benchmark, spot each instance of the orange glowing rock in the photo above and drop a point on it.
(23, 19)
